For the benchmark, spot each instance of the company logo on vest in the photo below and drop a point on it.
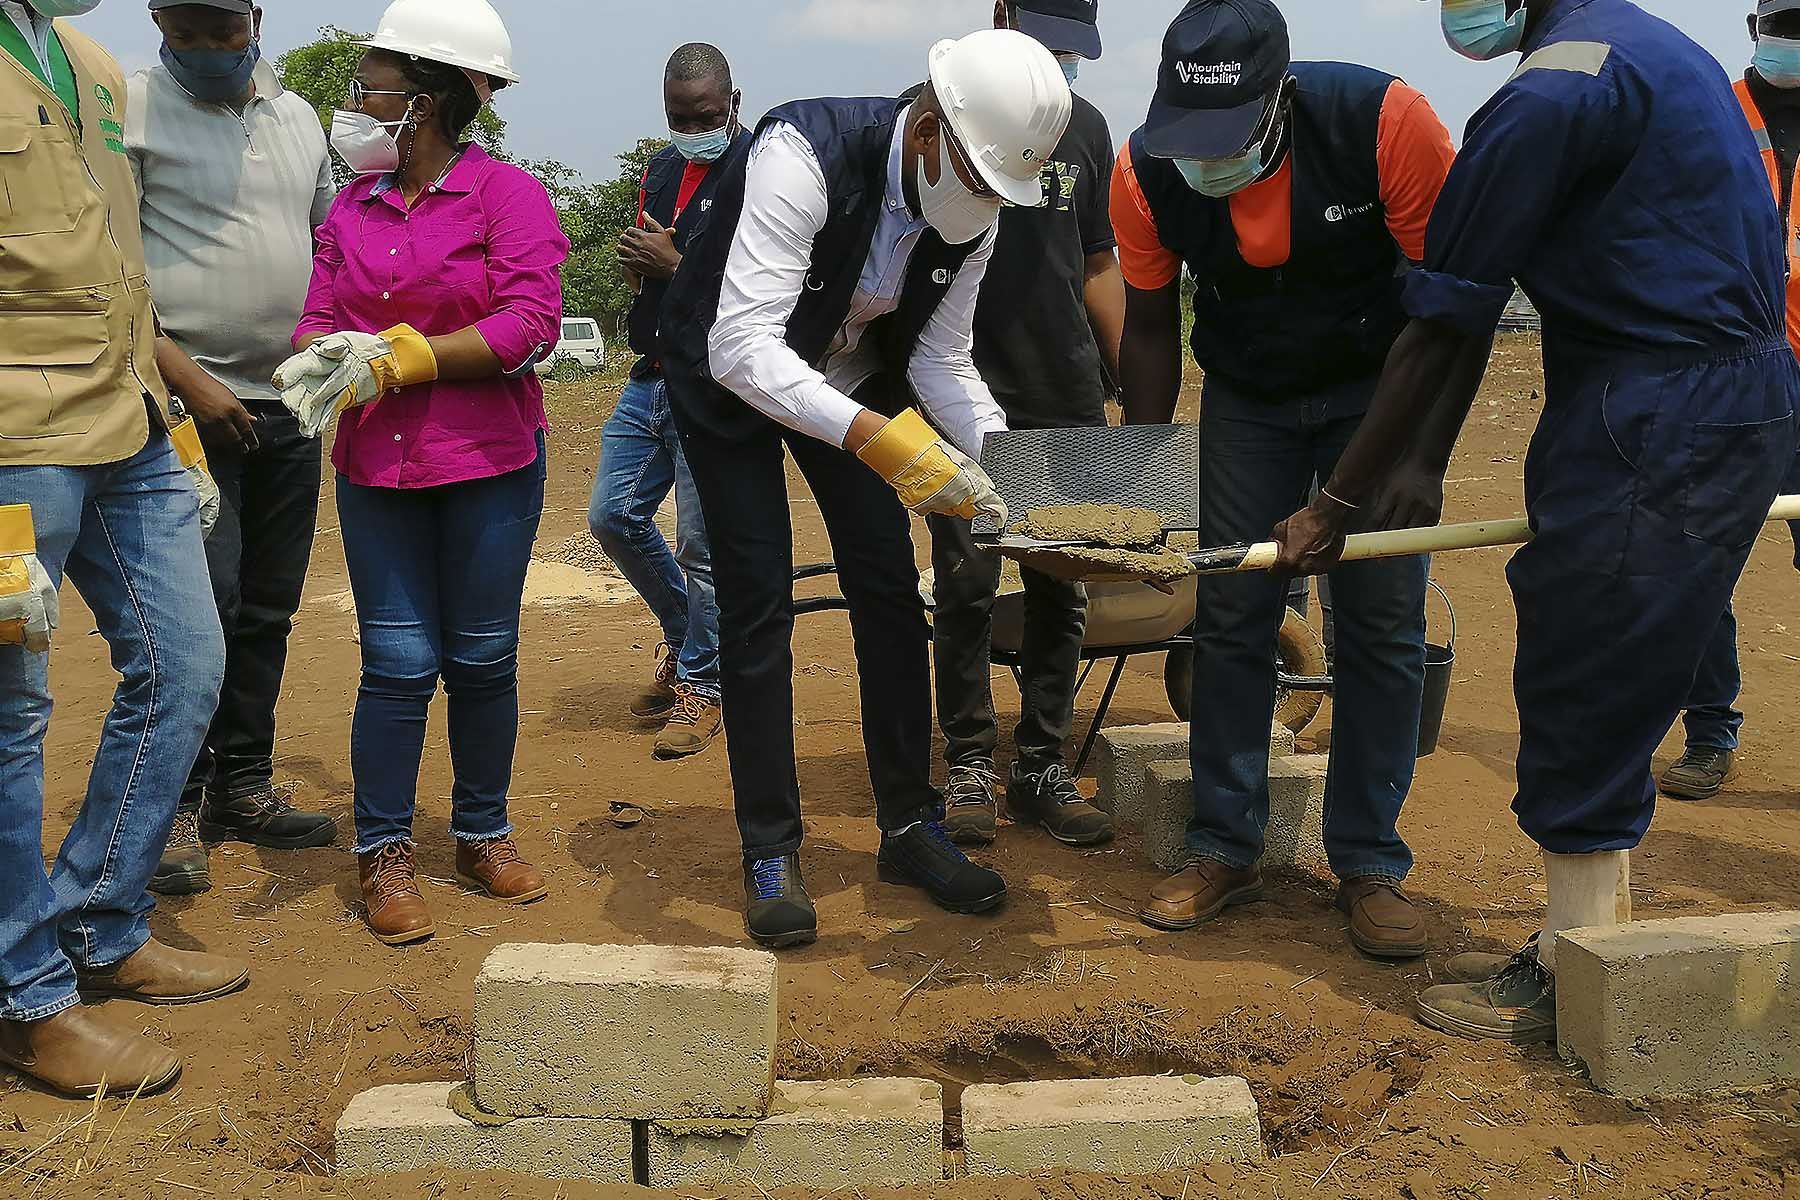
(1220, 74)
(1339, 212)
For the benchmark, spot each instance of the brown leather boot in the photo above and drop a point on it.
(496, 868)
(159, 974)
(1198, 893)
(80, 1050)
(390, 890)
(1384, 922)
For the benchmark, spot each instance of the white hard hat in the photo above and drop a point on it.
(459, 33)
(1008, 103)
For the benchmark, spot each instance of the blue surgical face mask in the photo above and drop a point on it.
(1071, 66)
(1777, 60)
(1481, 30)
(213, 75)
(705, 147)
(1222, 177)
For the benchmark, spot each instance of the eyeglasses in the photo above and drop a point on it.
(360, 94)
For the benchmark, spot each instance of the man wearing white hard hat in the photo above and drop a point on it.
(829, 300)
(436, 288)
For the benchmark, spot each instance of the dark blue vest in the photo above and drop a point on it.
(852, 138)
(662, 186)
(1333, 312)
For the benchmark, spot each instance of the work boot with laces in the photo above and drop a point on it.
(777, 911)
(1048, 797)
(1518, 1005)
(390, 891)
(694, 725)
(658, 700)
(265, 817)
(970, 813)
(1700, 774)
(923, 856)
(183, 869)
(495, 867)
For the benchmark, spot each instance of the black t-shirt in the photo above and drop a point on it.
(1033, 344)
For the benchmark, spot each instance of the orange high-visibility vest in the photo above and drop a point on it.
(1761, 129)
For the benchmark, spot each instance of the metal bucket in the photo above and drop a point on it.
(1440, 664)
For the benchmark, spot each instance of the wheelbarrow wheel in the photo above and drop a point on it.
(1298, 651)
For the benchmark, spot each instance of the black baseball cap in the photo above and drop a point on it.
(1065, 26)
(1222, 60)
(243, 7)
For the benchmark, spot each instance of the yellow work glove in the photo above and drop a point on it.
(28, 606)
(192, 454)
(931, 475)
(344, 370)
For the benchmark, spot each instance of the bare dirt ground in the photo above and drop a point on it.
(1357, 1098)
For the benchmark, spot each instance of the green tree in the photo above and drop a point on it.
(321, 72)
(594, 215)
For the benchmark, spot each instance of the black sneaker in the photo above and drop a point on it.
(1518, 1005)
(1700, 774)
(777, 911)
(264, 818)
(925, 857)
(971, 815)
(183, 869)
(1049, 798)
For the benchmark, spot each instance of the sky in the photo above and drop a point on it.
(593, 68)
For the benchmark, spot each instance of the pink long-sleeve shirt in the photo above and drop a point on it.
(483, 248)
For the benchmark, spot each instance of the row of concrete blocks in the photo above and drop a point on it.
(1147, 783)
(615, 1062)
(859, 1133)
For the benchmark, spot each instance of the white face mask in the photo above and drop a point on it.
(64, 8)
(957, 214)
(366, 145)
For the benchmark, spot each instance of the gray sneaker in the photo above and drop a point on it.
(970, 813)
(1518, 1005)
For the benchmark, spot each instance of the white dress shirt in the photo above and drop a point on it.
(785, 207)
(36, 29)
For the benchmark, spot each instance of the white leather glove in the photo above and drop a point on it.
(930, 474)
(29, 609)
(186, 436)
(346, 369)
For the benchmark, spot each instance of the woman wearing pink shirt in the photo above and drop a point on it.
(436, 287)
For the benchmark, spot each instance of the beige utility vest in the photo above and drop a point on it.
(77, 330)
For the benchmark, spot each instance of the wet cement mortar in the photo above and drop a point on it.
(1124, 543)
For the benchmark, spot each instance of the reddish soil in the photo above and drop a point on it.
(1358, 1099)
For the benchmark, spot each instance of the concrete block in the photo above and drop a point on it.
(1110, 1126)
(862, 1133)
(625, 1031)
(1124, 755)
(1296, 834)
(411, 1127)
(1682, 1007)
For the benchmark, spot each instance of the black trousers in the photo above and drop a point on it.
(966, 581)
(743, 492)
(257, 556)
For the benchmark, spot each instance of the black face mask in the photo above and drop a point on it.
(213, 75)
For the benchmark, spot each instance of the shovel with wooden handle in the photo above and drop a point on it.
(1358, 547)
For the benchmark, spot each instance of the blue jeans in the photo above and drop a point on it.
(1258, 460)
(439, 577)
(640, 460)
(128, 536)
(1713, 719)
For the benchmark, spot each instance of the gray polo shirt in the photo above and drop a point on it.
(229, 205)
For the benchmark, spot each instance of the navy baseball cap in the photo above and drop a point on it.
(1065, 26)
(243, 7)
(1222, 61)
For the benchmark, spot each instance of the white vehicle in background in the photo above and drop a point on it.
(581, 344)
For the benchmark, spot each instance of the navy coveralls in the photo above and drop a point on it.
(1614, 178)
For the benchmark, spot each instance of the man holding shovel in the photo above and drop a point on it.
(1296, 194)
(1615, 178)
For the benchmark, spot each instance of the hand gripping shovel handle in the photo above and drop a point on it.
(1399, 543)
